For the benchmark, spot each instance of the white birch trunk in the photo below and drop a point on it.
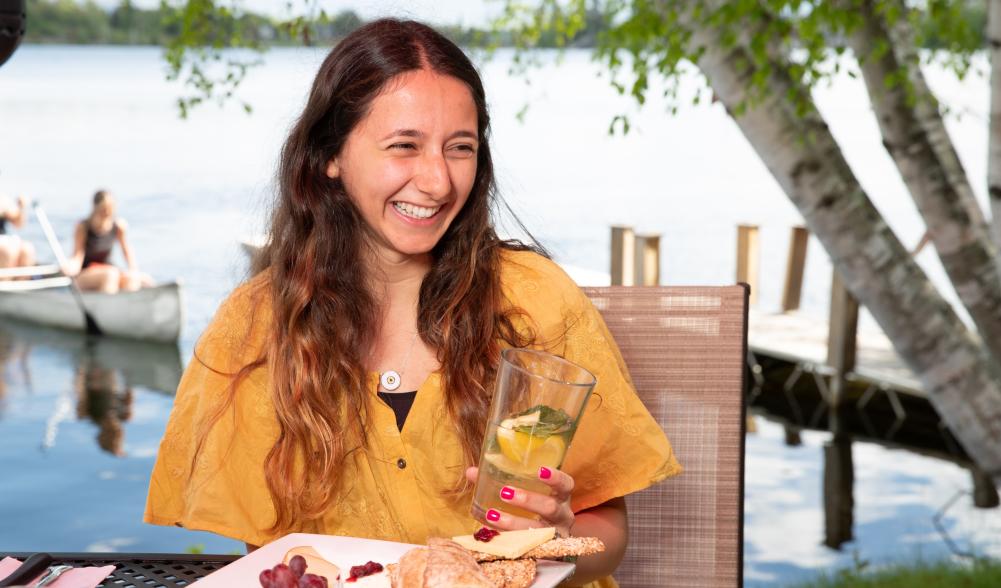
(962, 381)
(915, 136)
(994, 134)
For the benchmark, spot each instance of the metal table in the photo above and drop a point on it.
(143, 570)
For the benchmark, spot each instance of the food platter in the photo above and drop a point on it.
(343, 552)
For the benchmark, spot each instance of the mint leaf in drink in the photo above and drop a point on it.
(541, 421)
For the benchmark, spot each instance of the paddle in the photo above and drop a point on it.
(57, 249)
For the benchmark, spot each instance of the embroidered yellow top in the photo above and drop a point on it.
(393, 489)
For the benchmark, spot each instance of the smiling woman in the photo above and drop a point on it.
(344, 388)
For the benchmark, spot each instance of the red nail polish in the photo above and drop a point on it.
(493, 515)
(507, 493)
(545, 473)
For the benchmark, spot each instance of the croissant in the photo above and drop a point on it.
(442, 564)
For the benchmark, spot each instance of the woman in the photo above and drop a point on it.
(383, 257)
(94, 240)
(14, 251)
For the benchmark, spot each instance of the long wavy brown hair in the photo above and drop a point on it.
(324, 317)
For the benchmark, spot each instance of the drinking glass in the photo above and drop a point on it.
(537, 403)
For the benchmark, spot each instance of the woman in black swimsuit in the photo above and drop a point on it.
(94, 241)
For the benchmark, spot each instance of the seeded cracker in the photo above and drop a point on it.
(556, 548)
(517, 573)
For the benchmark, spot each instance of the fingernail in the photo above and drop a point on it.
(507, 493)
(545, 473)
(493, 515)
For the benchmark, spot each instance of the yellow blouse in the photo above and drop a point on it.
(393, 489)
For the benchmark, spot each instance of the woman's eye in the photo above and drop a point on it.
(403, 146)
(464, 148)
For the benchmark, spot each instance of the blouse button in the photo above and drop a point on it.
(401, 463)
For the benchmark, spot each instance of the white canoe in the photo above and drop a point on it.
(153, 314)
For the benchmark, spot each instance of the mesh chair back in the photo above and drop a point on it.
(685, 348)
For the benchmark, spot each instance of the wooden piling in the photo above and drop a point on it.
(793, 288)
(748, 257)
(985, 493)
(842, 337)
(647, 270)
(839, 498)
(623, 266)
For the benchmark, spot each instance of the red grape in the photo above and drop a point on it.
(284, 578)
(312, 581)
(298, 565)
(267, 578)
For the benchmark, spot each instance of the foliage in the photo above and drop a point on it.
(979, 574)
(643, 39)
(66, 21)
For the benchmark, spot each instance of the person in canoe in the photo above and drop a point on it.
(14, 251)
(94, 240)
(384, 260)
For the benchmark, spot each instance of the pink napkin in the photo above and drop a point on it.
(75, 578)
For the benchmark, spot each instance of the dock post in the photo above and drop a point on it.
(985, 493)
(748, 258)
(839, 497)
(841, 336)
(647, 271)
(793, 288)
(623, 256)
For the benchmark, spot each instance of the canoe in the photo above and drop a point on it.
(152, 365)
(153, 314)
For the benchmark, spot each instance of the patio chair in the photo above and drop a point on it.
(686, 349)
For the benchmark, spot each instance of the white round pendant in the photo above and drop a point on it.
(390, 380)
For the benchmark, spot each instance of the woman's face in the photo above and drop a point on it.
(409, 164)
(105, 209)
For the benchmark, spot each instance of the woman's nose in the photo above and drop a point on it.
(432, 176)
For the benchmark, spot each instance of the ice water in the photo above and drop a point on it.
(513, 458)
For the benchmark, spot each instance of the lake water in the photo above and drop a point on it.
(79, 431)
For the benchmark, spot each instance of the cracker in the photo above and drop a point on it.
(513, 573)
(556, 548)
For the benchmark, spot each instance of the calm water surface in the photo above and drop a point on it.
(80, 422)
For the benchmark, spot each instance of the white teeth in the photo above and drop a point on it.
(418, 212)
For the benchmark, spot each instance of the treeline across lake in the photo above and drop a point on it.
(86, 23)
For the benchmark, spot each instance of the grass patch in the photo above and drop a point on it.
(982, 573)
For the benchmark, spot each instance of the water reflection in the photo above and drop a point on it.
(104, 373)
(103, 399)
(797, 399)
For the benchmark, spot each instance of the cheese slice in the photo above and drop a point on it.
(315, 564)
(508, 544)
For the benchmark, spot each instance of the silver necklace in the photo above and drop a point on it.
(391, 379)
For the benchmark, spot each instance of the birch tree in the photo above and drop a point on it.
(994, 132)
(914, 134)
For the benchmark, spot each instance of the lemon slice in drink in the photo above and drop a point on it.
(529, 451)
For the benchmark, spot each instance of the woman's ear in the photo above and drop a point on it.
(333, 170)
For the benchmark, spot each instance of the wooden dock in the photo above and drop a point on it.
(803, 339)
(818, 373)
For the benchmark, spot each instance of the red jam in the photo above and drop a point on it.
(364, 570)
(485, 534)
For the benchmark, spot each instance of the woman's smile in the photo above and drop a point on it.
(414, 212)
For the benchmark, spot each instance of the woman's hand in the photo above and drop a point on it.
(553, 510)
(69, 269)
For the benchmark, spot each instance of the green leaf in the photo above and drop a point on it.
(551, 421)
